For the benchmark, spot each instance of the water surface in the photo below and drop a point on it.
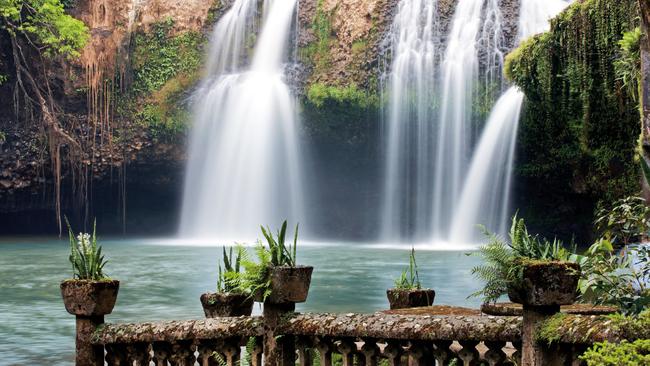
(163, 281)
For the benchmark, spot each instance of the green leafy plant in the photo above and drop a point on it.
(505, 261)
(626, 222)
(613, 278)
(410, 278)
(86, 256)
(256, 277)
(228, 274)
(618, 354)
(281, 254)
(628, 65)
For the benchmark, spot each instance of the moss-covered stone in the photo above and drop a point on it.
(579, 128)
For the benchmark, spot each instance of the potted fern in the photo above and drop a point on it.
(89, 292)
(277, 278)
(231, 299)
(408, 291)
(530, 270)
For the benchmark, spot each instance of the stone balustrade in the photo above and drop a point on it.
(348, 339)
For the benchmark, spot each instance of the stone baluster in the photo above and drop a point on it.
(469, 354)
(231, 351)
(393, 353)
(420, 354)
(494, 355)
(324, 348)
(370, 351)
(139, 354)
(441, 352)
(207, 350)
(304, 350)
(182, 353)
(116, 355)
(256, 352)
(347, 348)
(161, 353)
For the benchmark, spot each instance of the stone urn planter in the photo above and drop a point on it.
(547, 284)
(226, 304)
(405, 298)
(89, 298)
(288, 284)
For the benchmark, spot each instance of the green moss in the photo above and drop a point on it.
(549, 331)
(317, 53)
(340, 113)
(320, 94)
(165, 67)
(579, 127)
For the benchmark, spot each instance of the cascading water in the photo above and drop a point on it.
(486, 194)
(243, 168)
(410, 82)
(429, 134)
(460, 71)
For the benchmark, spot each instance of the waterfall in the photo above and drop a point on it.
(243, 164)
(410, 84)
(428, 123)
(486, 193)
(460, 71)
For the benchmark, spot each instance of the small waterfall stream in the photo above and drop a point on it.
(444, 173)
(243, 167)
(486, 193)
(410, 85)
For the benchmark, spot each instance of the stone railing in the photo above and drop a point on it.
(329, 338)
(282, 337)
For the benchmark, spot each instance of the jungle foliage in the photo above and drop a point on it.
(505, 260)
(580, 121)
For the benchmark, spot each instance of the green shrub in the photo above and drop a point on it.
(627, 221)
(613, 278)
(256, 277)
(86, 256)
(618, 354)
(505, 261)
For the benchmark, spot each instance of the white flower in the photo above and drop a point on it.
(83, 240)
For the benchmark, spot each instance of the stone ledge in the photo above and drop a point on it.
(171, 331)
(404, 327)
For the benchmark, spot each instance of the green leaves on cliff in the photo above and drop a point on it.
(628, 66)
(165, 67)
(46, 25)
(579, 127)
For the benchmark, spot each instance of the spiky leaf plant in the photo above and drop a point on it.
(504, 261)
(410, 278)
(228, 274)
(86, 256)
(281, 253)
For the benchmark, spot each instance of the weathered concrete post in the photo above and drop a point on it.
(89, 301)
(278, 350)
(546, 286)
(86, 353)
(289, 285)
(533, 353)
